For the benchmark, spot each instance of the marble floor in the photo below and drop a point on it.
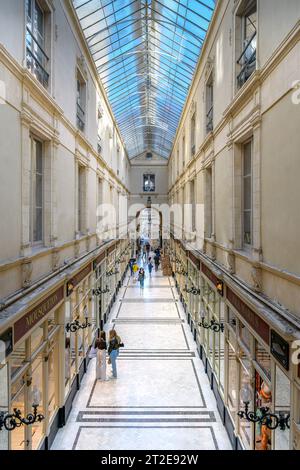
(161, 399)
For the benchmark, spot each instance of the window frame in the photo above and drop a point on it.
(243, 177)
(243, 11)
(149, 175)
(31, 30)
(32, 226)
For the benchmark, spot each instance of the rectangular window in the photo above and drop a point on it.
(208, 208)
(193, 135)
(36, 57)
(149, 183)
(247, 193)
(183, 153)
(100, 196)
(209, 105)
(193, 208)
(81, 101)
(37, 190)
(99, 144)
(246, 32)
(81, 198)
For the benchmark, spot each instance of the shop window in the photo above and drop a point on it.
(245, 335)
(52, 377)
(232, 320)
(3, 404)
(263, 359)
(149, 183)
(246, 39)
(17, 358)
(263, 398)
(17, 436)
(37, 386)
(37, 43)
(37, 338)
(282, 406)
(245, 426)
(232, 383)
(222, 361)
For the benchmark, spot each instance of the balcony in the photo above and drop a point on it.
(80, 117)
(247, 61)
(36, 59)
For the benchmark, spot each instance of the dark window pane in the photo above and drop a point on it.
(247, 193)
(247, 228)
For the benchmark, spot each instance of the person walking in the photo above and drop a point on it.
(135, 270)
(156, 262)
(113, 351)
(131, 264)
(141, 278)
(100, 344)
(150, 266)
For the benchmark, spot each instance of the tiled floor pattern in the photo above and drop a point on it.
(162, 399)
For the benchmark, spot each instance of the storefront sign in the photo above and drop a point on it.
(257, 323)
(213, 278)
(98, 260)
(111, 249)
(194, 260)
(6, 344)
(30, 319)
(72, 283)
(280, 349)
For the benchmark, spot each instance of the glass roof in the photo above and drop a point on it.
(145, 53)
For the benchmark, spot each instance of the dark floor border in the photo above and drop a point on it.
(146, 427)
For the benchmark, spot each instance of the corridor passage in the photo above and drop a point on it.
(162, 399)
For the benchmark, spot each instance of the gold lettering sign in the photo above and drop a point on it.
(30, 319)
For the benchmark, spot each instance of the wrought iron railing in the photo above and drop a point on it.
(209, 120)
(80, 117)
(34, 63)
(247, 60)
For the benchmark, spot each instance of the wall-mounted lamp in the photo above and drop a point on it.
(264, 417)
(213, 325)
(11, 421)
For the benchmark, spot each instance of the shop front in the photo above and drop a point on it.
(29, 375)
(243, 356)
(79, 330)
(253, 371)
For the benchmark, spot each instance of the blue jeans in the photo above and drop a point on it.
(113, 357)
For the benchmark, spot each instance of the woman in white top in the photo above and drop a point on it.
(100, 345)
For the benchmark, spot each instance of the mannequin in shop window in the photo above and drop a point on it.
(263, 434)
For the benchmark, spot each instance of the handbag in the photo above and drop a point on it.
(93, 352)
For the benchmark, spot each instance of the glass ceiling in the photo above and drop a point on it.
(145, 53)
